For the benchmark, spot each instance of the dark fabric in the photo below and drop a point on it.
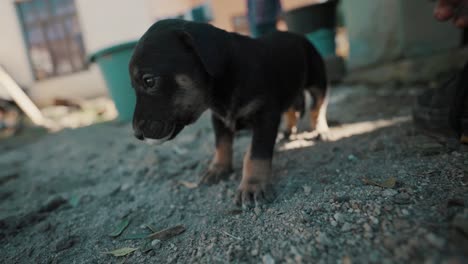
(262, 16)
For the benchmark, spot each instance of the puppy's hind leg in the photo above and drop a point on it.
(291, 118)
(318, 112)
(221, 165)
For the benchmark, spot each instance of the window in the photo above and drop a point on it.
(53, 37)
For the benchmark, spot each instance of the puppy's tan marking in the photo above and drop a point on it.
(231, 118)
(184, 81)
(221, 165)
(223, 153)
(291, 117)
(189, 96)
(255, 171)
(255, 186)
(318, 120)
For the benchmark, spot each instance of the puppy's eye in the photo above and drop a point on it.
(149, 81)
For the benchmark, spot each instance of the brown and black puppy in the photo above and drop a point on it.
(180, 69)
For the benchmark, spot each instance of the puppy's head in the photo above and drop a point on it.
(172, 71)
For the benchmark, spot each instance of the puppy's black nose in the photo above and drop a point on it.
(139, 135)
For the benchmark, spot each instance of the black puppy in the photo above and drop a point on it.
(180, 69)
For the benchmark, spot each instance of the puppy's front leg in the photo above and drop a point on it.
(256, 184)
(221, 165)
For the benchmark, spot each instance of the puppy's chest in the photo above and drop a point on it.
(239, 117)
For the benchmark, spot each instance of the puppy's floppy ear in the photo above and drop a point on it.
(209, 43)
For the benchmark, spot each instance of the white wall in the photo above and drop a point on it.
(103, 23)
(108, 22)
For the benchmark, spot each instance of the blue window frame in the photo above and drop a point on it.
(53, 37)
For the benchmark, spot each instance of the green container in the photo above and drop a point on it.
(317, 22)
(324, 41)
(113, 63)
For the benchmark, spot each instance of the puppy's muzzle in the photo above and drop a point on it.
(156, 131)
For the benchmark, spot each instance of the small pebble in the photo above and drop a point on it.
(435, 240)
(338, 217)
(268, 259)
(389, 192)
(155, 242)
(346, 227)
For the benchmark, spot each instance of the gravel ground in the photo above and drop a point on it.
(63, 196)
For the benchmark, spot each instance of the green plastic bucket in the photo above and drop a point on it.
(113, 63)
(324, 41)
(317, 22)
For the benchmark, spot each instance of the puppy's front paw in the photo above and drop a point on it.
(253, 193)
(324, 135)
(216, 173)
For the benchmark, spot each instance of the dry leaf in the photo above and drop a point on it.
(388, 183)
(120, 228)
(151, 228)
(135, 236)
(168, 233)
(121, 251)
(189, 185)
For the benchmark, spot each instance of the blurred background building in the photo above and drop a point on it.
(45, 44)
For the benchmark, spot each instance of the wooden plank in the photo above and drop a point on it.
(21, 99)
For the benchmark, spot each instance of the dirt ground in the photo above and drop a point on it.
(63, 196)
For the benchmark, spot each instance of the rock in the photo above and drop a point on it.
(66, 243)
(268, 259)
(435, 240)
(402, 198)
(405, 212)
(346, 227)
(367, 227)
(460, 222)
(323, 239)
(258, 210)
(155, 242)
(338, 217)
(52, 204)
(334, 223)
(307, 189)
(389, 192)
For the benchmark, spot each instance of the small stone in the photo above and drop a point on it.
(402, 198)
(367, 227)
(389, 192)
(258, 210)
(125, 186)
(338, 217)
(66, 243)
(323, 239)
(334, 223)
(307, 189)
(52, 204)
(460, 222)
(346, 227)
(374, 220)
(254, 252)
(351, 157)
(155, 242)
(435, 240)
(405, 212)
(268, 259)
(346, 260)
